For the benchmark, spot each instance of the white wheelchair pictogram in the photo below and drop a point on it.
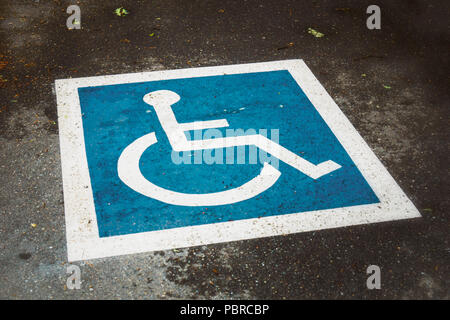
(162, 101)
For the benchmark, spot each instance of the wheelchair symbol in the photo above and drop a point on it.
(162, 101)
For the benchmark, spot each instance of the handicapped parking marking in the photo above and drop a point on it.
(124, 193)
(162, 100)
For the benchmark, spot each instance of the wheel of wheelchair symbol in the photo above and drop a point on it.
(130, 173)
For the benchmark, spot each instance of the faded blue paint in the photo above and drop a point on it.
(115, 115)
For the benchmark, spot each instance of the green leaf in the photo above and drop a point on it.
(315, 33)
(121, 12)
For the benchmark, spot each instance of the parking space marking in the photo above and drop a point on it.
(108, 213)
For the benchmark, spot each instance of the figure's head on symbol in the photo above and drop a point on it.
(161, 97)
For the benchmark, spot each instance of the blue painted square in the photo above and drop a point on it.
(115, 115)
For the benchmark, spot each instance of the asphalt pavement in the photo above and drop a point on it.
(391, 83)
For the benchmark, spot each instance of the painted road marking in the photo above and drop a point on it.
(129, 172)
(124, 194)
(162, 100)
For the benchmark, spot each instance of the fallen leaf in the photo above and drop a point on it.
(121, 12)
(315, 33)
(290, 44)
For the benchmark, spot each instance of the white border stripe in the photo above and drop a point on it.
(83, 240)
